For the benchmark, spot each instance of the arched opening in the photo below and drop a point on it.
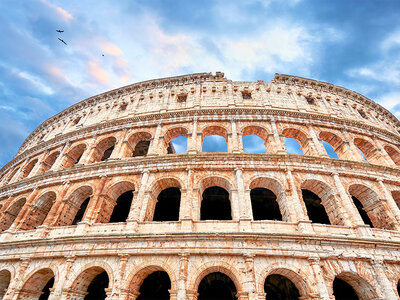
(296, 141)
(176, 140)
(81, 211)
(104, 149)
(75, 206)
(28, 168)
(39, 211)
(122, 207)
(396, 197)
(398, 287)
(214, 139)
(138, 144)
(355, 287)
(254, 139)
(5, 278)
(10, 176)
(74, 155)
(292, 146)
(343, 291)
(279, 287)
(217, 285)
(11, 213)
(97, 288)
(264, 205)
(366, 148)
(93, 282)
(333, 144)
(215, 204)
(49, 161)
(168, 204)
(373, 211)
(155, 286)
(329, 150)
(38, 285)
(394, 154)
(315, 210)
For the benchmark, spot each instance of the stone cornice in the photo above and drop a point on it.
(217, 161)
(242, 113)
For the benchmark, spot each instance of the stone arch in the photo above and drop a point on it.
(366, 147)
(327, 197)
(28, 168)
(12, 173)
(39, 210)
(173, 133)
(217, 205)
(299, 136)
(5, 278)
(117, 204)
(49, 161)
(73, 156)
(73, 204)
(393, 153)
(258, 131)
(103, 149)
(214, 130)
(276, 187)
(376, 210)
(296, 276)
(396, 197)
(11, 213)
(361, 286)
(138, 144)
(335, 141)
(141, 272)
(86, 275)
(36, 281)
(213, 267)
(157, 187)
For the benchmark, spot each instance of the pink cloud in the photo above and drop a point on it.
(110, 48)
(95, 70)
(62, 12)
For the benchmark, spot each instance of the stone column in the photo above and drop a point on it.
(192, 146)
(182, 279)
(390, 201)
(119, 146)
(234, 142)
(317, 144)
(382, 155)
(88, 153)
(16, 283)
(134, 213)
(275, 143)
(91, 211)
(354, 151)
(384, 283)
(319, 278)
(243, 202)
(186, 205)
(249, 286)
(153, 149)
(61, 156)
(19, 220)
(37, 169)
(66, 271)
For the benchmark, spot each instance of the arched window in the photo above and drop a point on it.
(155, 286)
(38, 285)
(254, 139)
(138, 144)
(300, 145)
(11, 213)
(217, 285)
(104, 149)
(394, 154)
(93, 282)
(280, 287)
(292, 146)
(97, 288)
(215, 204)
(214, 139)
(348, 285)
(122, 207)
(176, 140)
(315, 210)
(264, 205)
(343, 291)
(366, 149)
(362, 212)
(28, 168)
(5, 278)
(329, 150)
(168, 204)
(81, 211)
(49, 161)
(333, 144)
(39, 211)
(74, 155)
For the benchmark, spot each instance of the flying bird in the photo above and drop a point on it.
(102, 55)
(62, 41)
(60, 31)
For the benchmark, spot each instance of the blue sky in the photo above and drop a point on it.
(355, 44)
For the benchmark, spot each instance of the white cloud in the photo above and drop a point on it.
(37, 82)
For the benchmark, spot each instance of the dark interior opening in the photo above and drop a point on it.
(107, 153)
(96, 289)
(343, 291)
(279, 287)
(79, 157)
(216, 286)
(215, 204)
(141, 148)
(46, 290)
(121, 209)
(362, 212)
(398, 287)
(170, 149)
(264, 205)
(155, 286)
(315, 210)
(79, 215)
(168, 203)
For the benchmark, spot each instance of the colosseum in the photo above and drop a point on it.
(99, 203)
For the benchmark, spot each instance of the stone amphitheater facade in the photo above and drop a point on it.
(60, 194)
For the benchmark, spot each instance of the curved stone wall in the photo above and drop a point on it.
(86, 192)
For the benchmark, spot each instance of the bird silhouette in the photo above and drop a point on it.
(60, 31)
(62, 41)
